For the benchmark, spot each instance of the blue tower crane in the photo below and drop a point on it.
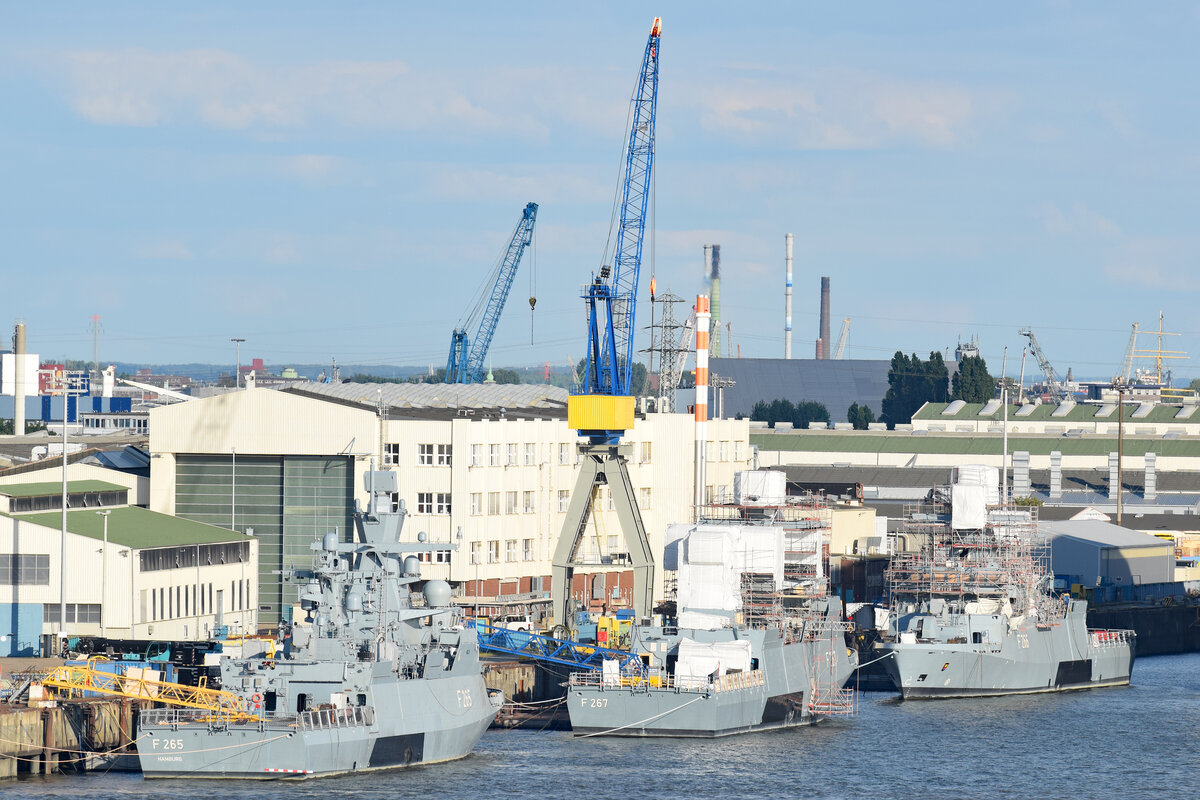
(467, 354)
(602, 408)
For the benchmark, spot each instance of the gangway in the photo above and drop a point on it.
(80, 679)
(556, 651)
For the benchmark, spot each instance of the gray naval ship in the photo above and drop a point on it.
(971, 615)
(376, 681)
(733, 661)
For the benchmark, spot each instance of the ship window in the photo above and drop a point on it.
(301, 703)
(977, 637)
(362, 699)
(269, 701)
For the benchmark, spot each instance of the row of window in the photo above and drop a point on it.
(511, 502)
(76, 612)
(194, 555)
(171, 602)
(25, 570)
(141, 424)
(512, 455)
(526, 552)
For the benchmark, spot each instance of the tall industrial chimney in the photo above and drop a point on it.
(701, 410)
(716, 301)
(824, 318)
(787, 298)
(19, 380)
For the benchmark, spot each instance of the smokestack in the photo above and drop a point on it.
(19, 381)
(702, 322)
(715, 345)
(787, 297)
(824, 318)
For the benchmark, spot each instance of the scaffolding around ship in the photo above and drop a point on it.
(1006, 560)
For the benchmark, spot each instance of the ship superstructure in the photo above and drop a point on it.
(375, 678)
(748, 647)
(971, 608)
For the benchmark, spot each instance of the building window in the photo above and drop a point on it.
(425, 455)
(527, 502)
(528, 549)
(564, 454)
(391, 454)
(510, 550)
(612, 543)
(395, 498)
(564, 499)
(723, 449)
(25, 570)
(530, 454)
(80, 613)
(510, 502)
(646, 450)
(494, 504)
(644, 499)
(494, 551)
(424, 502)
(738, 452)
(476, 503)
(476, 552)
(442, 505)
(708, 495)
(444, 451)
(710, 451)
(476, 455)
(612, 504)
(512, 456)
(493, 455)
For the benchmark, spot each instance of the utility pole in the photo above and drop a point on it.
(1120, 443)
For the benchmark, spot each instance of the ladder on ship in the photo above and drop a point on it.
(554, 651)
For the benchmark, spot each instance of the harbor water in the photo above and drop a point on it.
(1136, 741)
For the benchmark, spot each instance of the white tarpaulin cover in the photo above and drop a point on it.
(979, 475)
(760, 487)
(712, 558)
(699, 660)
(968, 507)
(672, 540)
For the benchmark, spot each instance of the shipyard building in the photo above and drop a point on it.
(487, 469)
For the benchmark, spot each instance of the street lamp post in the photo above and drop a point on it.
(104, 571)
(237, 370)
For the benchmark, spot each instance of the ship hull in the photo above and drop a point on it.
(417, 722)
(779, 694)
(1026, 660)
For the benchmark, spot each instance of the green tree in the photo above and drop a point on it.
(506, 376)
(912, 383)
(799, 414)
(860, 416)
(639, 376)
(973, 383)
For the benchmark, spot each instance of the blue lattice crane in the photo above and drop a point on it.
(602, 407)
(468, 353)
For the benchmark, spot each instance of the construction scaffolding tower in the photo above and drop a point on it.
(1006, 560)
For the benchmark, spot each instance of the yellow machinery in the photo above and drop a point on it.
(613, 633)
(77, 680)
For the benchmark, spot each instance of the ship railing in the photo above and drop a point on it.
(349, 717)
(835, 702)
(1111, 638)
(658, 679)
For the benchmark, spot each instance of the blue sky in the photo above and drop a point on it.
(337, 183)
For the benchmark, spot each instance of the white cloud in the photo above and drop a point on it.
(1078, 220)
(835, 109)
(219, 89)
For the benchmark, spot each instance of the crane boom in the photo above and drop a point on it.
(612, 295)
(839, 352)
(467, 354)
(1126, 373)
(1057, 391)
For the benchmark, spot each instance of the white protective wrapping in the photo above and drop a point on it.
(760, 487)
(711, 560)
(979, 475)
(672, 544)
(698, 662)
(968, 507)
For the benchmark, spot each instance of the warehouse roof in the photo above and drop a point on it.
(967, 444)
(1102, 533)
(55, 488)
(135, 527)
(453, 396)
(1050, 412)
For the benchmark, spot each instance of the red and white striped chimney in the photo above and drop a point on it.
(703, 317)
